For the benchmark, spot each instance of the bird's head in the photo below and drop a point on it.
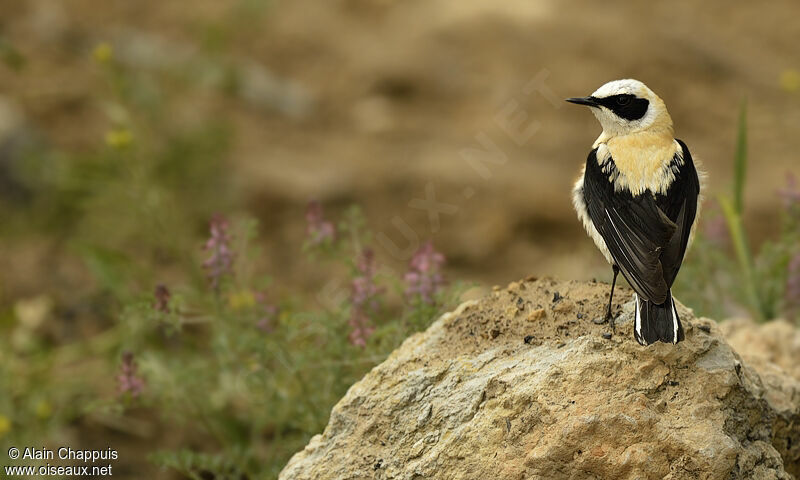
(626, 106)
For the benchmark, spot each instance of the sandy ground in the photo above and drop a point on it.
(380, 101)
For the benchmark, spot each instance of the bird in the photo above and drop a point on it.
(637, 197)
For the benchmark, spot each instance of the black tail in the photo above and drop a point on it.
(655, 323)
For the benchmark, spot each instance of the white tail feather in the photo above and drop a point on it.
(674, 321)
(638, 321)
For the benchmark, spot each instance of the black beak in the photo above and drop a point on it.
(589, 101)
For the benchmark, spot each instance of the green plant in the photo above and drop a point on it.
(733, 210)
(760, 281)
(191, 357)
(250, 378)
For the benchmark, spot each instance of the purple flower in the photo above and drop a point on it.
(362, 328)
(162, 296)
(424, 277)
(793, 286)
(220, 263)
(364, 291)
(318, 229)
(128, 380)
(363, 298)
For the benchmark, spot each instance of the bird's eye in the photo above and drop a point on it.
(623, 100)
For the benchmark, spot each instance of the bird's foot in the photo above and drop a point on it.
(610, 319)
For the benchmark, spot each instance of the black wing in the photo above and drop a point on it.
(680, 205)
(646, 235)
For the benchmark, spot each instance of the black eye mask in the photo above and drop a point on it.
(625, 106)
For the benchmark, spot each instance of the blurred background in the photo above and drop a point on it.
(126, 126)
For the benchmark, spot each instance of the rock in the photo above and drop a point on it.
(776, 343)
(772, 349)
(458, 402)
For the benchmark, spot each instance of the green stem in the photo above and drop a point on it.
(739, 238)
(740, 160)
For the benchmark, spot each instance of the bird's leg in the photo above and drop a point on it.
(609, 316)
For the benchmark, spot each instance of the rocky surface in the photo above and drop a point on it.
(770, 345)
(773, 350)
(522, 384)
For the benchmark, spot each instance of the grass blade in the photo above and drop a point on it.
(743, 256)
(740, 160)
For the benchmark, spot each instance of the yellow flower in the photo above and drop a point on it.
(790, 80)
(5, 425)
(242, 300)
(119, 138)
(102, 53)
(43, 410)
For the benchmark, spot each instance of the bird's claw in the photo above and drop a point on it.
(610, 319)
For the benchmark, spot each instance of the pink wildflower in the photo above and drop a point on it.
(318, 229)
(424, 278)
(363, 298)
(162, 296)
(220, 263)
(128, 380)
